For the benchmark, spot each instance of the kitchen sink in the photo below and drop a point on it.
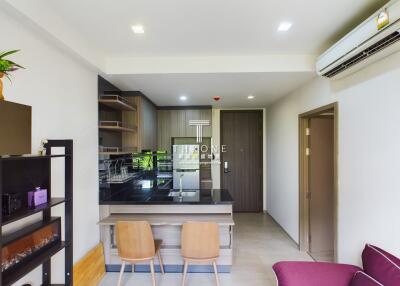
(182, 194)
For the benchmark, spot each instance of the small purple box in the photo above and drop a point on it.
(37, 197)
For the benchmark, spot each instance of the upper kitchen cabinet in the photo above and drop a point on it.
(190, 131)
(164, 130)
(198, 114)
(206, 114)
(146, 118)
(174, 123)
(178, 123)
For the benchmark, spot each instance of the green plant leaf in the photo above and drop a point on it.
(6, 65)
(7, 76)
(16, 65)
(4, 54)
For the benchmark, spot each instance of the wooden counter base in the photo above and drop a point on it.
(166, 221)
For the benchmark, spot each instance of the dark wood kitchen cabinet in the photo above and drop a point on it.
(174, 123)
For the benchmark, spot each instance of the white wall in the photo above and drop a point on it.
(216, 137)
(369, 156)
(63, 95)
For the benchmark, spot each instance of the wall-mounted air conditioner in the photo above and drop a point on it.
(374, 39)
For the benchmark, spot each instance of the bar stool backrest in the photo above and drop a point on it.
(200, 240)
(135, 240)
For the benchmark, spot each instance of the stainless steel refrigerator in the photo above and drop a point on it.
(186, 166)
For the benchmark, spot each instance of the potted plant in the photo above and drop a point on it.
(6, 66)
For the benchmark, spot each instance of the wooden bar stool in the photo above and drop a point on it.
(200, 243)
(135, 244)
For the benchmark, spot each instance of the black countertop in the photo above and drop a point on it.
(129, 194)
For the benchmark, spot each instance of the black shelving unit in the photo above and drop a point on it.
(22, 174)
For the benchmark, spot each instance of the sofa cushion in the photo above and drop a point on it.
(381, 265)
(314, 273)
(363, 279)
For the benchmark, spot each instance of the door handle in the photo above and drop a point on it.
(226, 169)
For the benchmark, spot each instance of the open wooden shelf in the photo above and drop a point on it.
(116, 126)
(30, 211)
(26, 267)
(118, 120)
(116, 102)
(116, 151)
(117, 129)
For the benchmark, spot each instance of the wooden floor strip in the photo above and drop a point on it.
(89, 271)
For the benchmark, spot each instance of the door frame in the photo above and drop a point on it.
(221, 168)
(304, 164)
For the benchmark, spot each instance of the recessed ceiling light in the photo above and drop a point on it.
(251, 96)
(138, 29)
(183, 97)
(284, 26)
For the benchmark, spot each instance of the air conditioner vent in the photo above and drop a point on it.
(378, 46)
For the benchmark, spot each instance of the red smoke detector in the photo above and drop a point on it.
(217, 98)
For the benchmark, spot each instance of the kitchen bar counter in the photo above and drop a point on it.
(166, 215)
(128, 194)
(169, 219)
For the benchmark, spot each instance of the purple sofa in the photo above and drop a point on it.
(379, 268)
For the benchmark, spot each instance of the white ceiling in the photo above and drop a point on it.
(212, 27)
(229, 48)
(165, 89)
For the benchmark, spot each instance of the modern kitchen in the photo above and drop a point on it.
(156, 165)
(192, 143)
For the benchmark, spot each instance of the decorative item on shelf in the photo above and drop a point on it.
(42, 149)
(7, 66)
(12, 203)
(37, 197)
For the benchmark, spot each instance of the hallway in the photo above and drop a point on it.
(259, 243)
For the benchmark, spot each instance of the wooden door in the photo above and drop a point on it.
(321, 182)
(241, 164)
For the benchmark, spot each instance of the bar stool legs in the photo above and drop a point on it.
(161, 262)
(153, 276)
(136, 244)
(216, 272)
(185, 268)
(200, 243)
(121, 273)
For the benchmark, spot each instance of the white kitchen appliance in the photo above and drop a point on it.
(186, 166)
(374, 39)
